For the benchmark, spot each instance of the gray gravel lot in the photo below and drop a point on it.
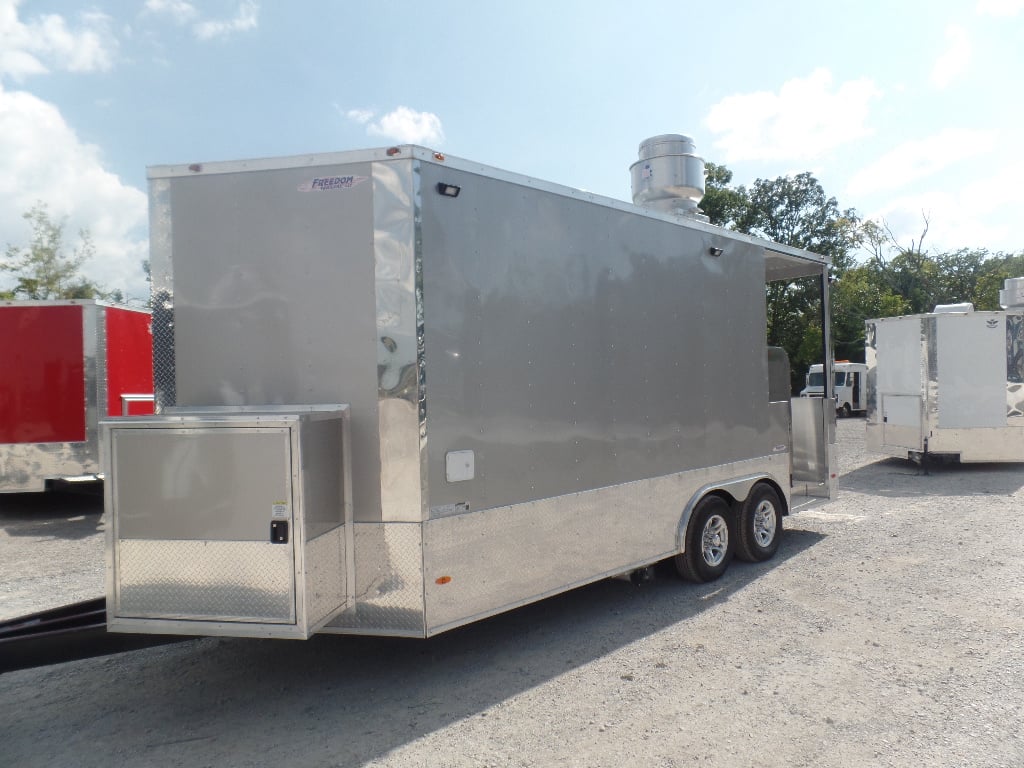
(886, 632)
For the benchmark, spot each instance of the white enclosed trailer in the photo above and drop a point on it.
(949, 383)
(399, 392)
(849, 385)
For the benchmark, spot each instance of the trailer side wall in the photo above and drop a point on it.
(129, 359)
(573, 347)
(42, 374)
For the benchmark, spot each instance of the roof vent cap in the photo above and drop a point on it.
(1012, 294)
(669, 176)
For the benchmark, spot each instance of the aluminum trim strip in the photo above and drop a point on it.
(399, 329)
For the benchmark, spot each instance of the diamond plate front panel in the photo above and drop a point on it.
(246, 581)
(389, 581)
(325, 581)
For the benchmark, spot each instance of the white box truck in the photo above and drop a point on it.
(399, 392)
(849, 386)
(949, 383)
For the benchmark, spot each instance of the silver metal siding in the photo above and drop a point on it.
(273, 298)
(480, 563)
(572, 346)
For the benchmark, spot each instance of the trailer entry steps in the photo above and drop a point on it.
(76, 631)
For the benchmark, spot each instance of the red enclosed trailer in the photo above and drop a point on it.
(63, 366)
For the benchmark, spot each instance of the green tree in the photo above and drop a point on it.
(958, 275)
(994, 272)
(722, 204)
(43, 270)
(791, 210)
(795, 211)
(923, 279)
(858, 296)
(905, 271)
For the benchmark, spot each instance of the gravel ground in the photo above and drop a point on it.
(886, 632)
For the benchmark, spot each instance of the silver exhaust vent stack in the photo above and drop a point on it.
(1012, 294)
(669, 176)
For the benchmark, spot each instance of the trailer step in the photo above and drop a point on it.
(75, 631)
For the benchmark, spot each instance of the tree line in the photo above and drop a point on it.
(873, 275)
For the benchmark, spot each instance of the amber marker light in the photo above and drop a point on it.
(442, 579)
(392, 151)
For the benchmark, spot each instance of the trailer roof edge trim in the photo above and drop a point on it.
(784, 261)
(67, 303)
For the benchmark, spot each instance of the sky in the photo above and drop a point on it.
(904, 111)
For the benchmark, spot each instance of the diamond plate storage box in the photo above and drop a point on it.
(229, 521)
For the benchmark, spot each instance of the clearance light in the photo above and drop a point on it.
(392, 151)
(443, 580)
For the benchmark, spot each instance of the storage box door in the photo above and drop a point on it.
(901, 421)
(204, 524)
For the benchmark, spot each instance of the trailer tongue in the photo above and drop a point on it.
(75, 631)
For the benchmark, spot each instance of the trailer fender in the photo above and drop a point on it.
(734, 492)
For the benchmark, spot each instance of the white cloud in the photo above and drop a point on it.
(361, 116)
(41, 159)
(1001, 8)
(33, 47)
(402, 124)
(915, 160)
(806, 118)
(979, 213)
(954, 60)
(179, 10)
(246, 17)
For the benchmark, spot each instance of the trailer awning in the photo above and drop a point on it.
(779, 265)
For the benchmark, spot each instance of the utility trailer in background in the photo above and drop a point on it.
(399, 392)
(63, 366)
(949, 383)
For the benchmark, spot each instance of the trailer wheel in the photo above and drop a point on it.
(759, 524)
(847, 411)
(709, 543)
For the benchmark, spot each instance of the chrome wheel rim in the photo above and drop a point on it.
(765, 522)
(714, 540)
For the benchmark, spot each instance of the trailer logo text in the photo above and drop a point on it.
(331, 183)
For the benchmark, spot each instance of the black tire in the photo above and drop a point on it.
(709, 541)
(759, 524)
(846, 411)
